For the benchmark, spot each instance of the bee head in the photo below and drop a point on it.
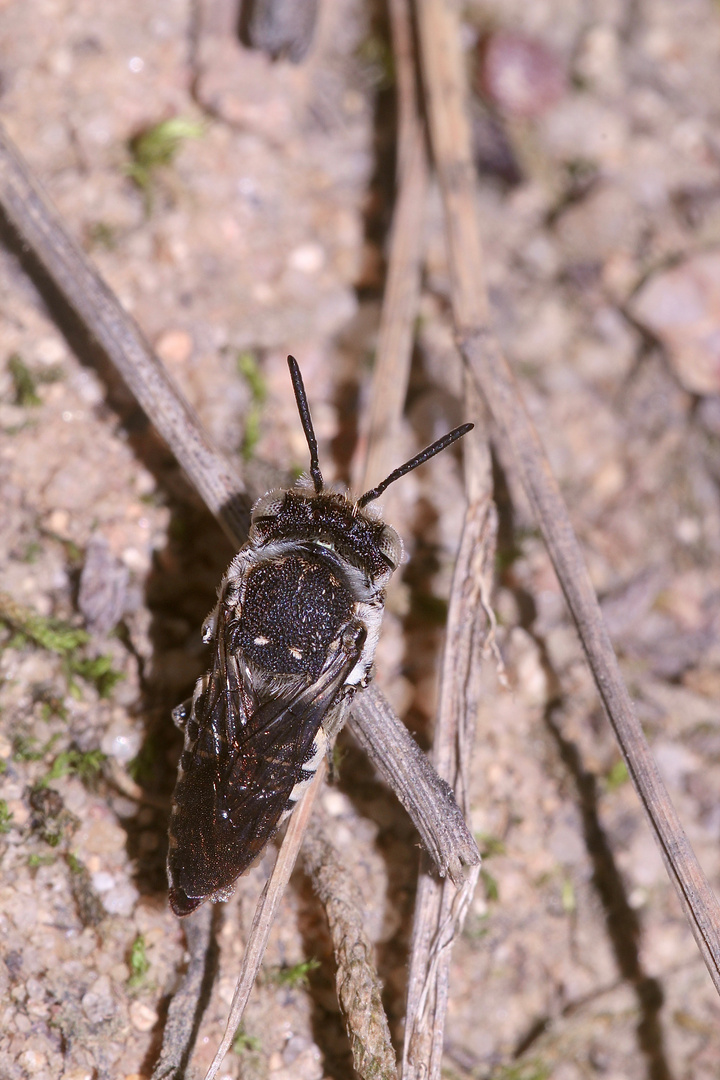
(310, 513)
(331, 520)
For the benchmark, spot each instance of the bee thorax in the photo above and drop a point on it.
(294, 608)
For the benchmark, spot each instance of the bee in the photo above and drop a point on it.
(293, 635)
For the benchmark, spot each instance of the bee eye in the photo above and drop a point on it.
(268, 506)
(390, 546)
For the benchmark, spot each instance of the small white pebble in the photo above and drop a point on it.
(32, 1061)
(58, 522)
(144, 483)
(121, 744)
(142, 1017)
(688, 530)
(89, 388)
(307, 258)
(135, 559)
(335, 803)
(102, 881)
(50, 350)
(174, 346)
(121, 900)
(638, 898)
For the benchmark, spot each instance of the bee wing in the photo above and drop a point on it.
(241, 761)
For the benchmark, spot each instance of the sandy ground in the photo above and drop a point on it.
(265, 236)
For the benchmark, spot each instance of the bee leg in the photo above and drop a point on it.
(181, 713)
(209, 628)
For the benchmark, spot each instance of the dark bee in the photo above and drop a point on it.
(294, 634)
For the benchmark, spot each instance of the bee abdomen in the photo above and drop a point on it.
(308, 770)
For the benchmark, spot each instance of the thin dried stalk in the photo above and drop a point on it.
(358, 989)
(440, 913)
(410, 123)
(34, 231)
(443, 73)
(391, 370)
(182, 1018)
(440, 908)
(444, 82)
(358, 986)
(400, 761)
(265, 915)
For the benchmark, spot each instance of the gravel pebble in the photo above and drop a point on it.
(121, 742)
(121, 900)
(682, 307)
(142, 1016)
(98, 1003)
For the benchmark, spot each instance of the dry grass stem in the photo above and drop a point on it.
(401, 763)
(183, 1013)
(358, 987)
(391, 370)
(410, 124)
(265, 914)
(440, 913)
(443, 71)
(440, 908)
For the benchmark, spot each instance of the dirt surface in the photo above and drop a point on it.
(265, 235)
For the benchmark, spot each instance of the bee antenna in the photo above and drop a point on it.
(306, 421)
(419, 459)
